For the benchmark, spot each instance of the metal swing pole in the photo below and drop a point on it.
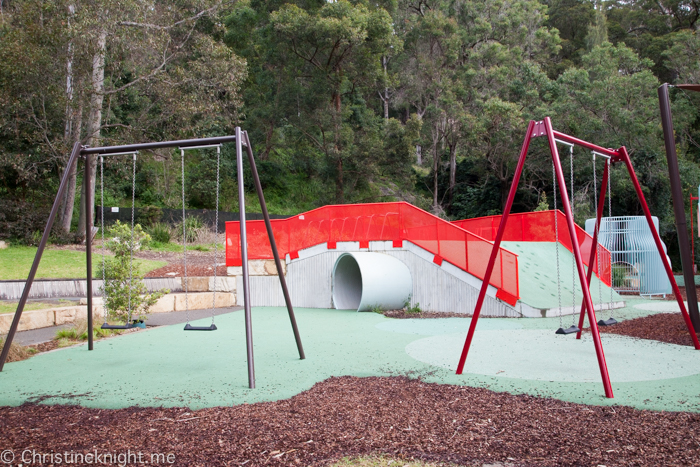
(657, 239)
(594, 245)
(678, 207)
(244, 262)
(273, 245)
(88, 247)
(532, 130)
(579, 262)
(39, 252)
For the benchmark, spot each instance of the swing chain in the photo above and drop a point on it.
(184, 238)
(102, 231)
(597, 233)
(609, 233)
(573, 262)
(131, 249)
(556, 242)
(216, 231)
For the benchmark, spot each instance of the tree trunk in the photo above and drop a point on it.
(94, 121)
(436, 165)
(69, 197)
(385, 98)
(453, 168)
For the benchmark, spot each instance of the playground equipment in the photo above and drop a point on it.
(544, 128)
(573, 328)
(363, 280)
(105, 311)
(188, 326)
(637, 266)
(79, 151)
(678, 206)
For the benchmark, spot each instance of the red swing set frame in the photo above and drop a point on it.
(544, 128)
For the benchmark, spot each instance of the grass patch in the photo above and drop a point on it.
(11, 307)
(16, 261)
(78, 332)
(177, 247)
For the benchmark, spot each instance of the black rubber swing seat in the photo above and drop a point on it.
(117, 326)
(607, 322)
(189, 327)
(571, 330)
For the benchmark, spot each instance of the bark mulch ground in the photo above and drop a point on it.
(351, 416)
(664, 327)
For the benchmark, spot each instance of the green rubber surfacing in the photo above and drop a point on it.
(169, 367)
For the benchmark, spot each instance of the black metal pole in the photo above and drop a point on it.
(244, 261)
(37, 258)
(678, 206)
(88, 245)
(182, 143)
(273, 244)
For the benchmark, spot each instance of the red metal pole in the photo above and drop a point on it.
(497, 244)
(579, 262)
(594, 245)
(659, 246)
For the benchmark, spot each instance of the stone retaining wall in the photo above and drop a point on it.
(63, 315)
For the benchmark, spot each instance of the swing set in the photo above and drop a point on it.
(612, 156)
(241, 140)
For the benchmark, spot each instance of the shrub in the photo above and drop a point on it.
(122, 293)
(160, 232)
(193, 228)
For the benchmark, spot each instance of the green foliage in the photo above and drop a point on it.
(193, 227)
(79, 332)
(159, 232)
(543, 205)
(149, 215)
(126, 294)
(415, 309)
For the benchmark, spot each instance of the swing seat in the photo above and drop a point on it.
(571, 330)
(607, 322)
(117, 326)
(189, 327)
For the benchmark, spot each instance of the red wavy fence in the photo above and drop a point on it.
(379, 221)
(538, 227)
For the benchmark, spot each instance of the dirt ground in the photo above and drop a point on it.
(349, 416)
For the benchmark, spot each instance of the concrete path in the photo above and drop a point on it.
(37, 336)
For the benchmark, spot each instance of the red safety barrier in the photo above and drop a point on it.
(363, 223)
(539, 227)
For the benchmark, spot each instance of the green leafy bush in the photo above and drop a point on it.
(160, 232)
(193, 228)
(126, 294)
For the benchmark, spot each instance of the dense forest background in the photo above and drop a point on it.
(425, 101)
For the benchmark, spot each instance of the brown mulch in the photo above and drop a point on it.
(664, 327)
(350, 416)
(45, 346)
(403, 314)
(193, 270)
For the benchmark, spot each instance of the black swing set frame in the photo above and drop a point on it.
(240, 138)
